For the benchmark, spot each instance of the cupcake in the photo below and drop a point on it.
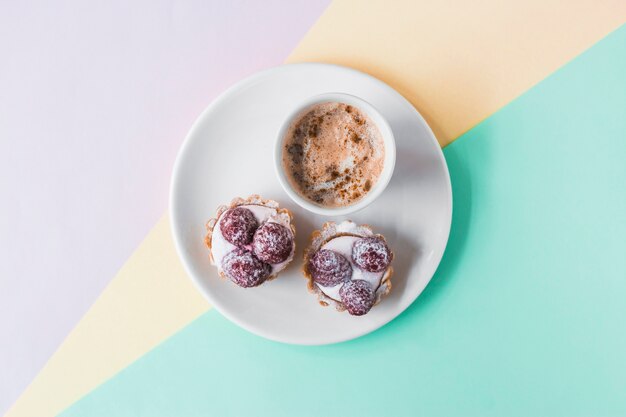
(348, 266)
(251, 240)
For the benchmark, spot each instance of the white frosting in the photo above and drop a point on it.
(220, 247)
(343, 245)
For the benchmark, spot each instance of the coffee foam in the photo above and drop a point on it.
(333, 154)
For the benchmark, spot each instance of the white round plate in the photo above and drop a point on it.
(228, 153)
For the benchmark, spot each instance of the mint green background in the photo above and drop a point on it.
(526, 315)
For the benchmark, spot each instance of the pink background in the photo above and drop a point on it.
(95, 99)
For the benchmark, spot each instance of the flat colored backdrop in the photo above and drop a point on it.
(525, 316)
(95, 99)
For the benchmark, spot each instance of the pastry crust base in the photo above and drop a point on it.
(254, 199)
(318, 239)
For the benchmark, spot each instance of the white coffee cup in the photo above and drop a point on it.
(388, 163)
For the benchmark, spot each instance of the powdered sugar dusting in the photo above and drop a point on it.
(272, 242)
(371, 254)
(220, 247)
(343, 245)
(357, 296)
(329, 267)
(329, 236)
(238, 225)
(244, 269)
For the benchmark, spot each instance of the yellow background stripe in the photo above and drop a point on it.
(148, 300)
(458, 61)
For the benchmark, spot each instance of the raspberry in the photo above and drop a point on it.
(238, 226)
(329, 268)
(371, 254)
(357, 297)
(272, 243)
(245, 269)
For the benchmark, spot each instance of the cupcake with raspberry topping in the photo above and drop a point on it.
(348, 266)
(251, 240)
